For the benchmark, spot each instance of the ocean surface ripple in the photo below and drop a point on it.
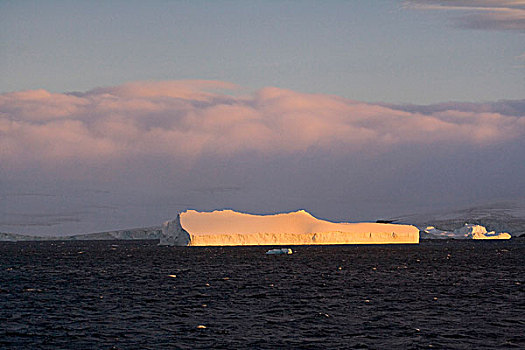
(137, 295)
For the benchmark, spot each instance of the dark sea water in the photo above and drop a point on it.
(109, 294)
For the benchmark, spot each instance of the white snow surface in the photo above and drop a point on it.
(230, 228)
(468, 231)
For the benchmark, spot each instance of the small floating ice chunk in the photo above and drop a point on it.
(279, 251)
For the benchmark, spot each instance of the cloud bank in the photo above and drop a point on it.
(184, 120)
(479, 14)
(134, 155)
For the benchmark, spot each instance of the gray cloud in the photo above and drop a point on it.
(503, 107)
(479, 14)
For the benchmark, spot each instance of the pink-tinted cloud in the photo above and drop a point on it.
(197, 90)
(184, 120)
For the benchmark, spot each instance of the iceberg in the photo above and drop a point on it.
(231, 228)
(479, 232)
(468, 231)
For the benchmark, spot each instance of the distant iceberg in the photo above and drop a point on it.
(468, 231)
(230, 228)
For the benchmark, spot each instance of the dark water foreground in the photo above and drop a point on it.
(136, 295)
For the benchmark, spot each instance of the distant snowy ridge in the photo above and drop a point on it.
(469, 231)
(145, 233)
(503, 216)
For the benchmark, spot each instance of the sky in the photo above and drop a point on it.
(120, 114)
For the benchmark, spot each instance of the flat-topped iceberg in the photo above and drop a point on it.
(230, 228)
(468, 231)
